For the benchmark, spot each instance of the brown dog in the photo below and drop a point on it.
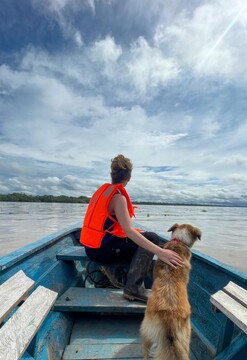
(166, 324)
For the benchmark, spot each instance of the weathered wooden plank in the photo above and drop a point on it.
(13, 291)
(19, 330)
(73, 253)
(231, 308)
(103, 351)
(236, 292)
(97, 300)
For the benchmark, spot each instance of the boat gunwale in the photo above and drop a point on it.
(14, 257)
(219, 265)
(8, 260)
(214, 262)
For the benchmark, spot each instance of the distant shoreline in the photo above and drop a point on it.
(22, 197)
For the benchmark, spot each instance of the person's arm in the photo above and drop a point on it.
(119, 205)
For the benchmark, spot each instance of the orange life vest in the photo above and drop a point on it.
(93, 231)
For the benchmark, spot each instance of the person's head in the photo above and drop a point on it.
(121, 168)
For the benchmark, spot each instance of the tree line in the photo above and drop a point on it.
(22, 197)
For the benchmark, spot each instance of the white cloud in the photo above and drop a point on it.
(12, 80)
(209, 41)
(58, 6)
(60, 124)
(60, 11)
(209, 127)
(91, 4)
(106, 52)
(234, 160)
(78, 38)
(158, 139)
(69, 31)
(148, 67)
(66, 127)
(239, 180)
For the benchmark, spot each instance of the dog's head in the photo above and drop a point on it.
(186, 233)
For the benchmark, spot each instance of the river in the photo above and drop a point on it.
(224, 229)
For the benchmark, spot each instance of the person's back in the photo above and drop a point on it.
(110, 238)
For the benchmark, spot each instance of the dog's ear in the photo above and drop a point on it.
(174, 227)
(197, 233)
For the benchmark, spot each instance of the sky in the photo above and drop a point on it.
(162, 82)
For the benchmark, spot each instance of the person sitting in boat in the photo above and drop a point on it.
(111, 240)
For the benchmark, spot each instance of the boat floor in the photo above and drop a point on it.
(105, 337)
(114, 335)
(106, 325)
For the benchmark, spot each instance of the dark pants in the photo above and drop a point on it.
(118, 249)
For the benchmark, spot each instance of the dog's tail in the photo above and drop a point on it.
(175, 343)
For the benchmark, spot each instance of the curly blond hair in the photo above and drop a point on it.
(121, 168)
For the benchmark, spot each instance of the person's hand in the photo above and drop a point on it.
(171, 258)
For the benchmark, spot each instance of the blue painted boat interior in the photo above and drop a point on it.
(96, 323)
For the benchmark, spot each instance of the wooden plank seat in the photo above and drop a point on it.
(13, 291)
(73, 253)
(78, 299)
(232, 302)
(18, 331)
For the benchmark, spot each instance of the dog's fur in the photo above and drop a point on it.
(166, 324)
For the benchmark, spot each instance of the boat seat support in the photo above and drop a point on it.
(232, 302)
(20, 327)
(73, 253)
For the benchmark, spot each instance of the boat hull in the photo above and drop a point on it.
(42, 261)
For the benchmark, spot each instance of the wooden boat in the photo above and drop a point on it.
(89, 322)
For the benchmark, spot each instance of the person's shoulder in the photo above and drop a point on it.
(119, 198)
